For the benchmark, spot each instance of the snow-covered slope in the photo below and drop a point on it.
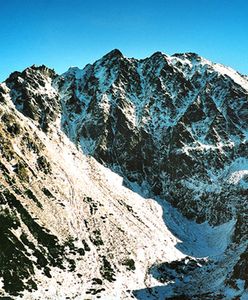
(125, 179)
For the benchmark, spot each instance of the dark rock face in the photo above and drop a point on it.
(175, 122)
(32, 94)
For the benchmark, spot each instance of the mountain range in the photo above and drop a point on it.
(127, 179)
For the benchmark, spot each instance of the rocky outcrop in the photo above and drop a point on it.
(32, 94)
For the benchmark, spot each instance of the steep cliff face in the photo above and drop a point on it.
(178, 123)
(33, 95)
(173, 129)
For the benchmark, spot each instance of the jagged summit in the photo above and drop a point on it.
(113, 54)
(188, 55)
(42, 69)
(116, 55)
(158, 54)
(32, 94)
(125, 179)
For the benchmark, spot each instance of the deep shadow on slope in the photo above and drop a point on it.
(200, 274)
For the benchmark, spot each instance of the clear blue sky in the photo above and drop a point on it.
(63, 33)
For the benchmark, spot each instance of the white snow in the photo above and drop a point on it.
(237, 173)
(199, 240)
(234, 75)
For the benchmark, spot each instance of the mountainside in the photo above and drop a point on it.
(127, 179)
